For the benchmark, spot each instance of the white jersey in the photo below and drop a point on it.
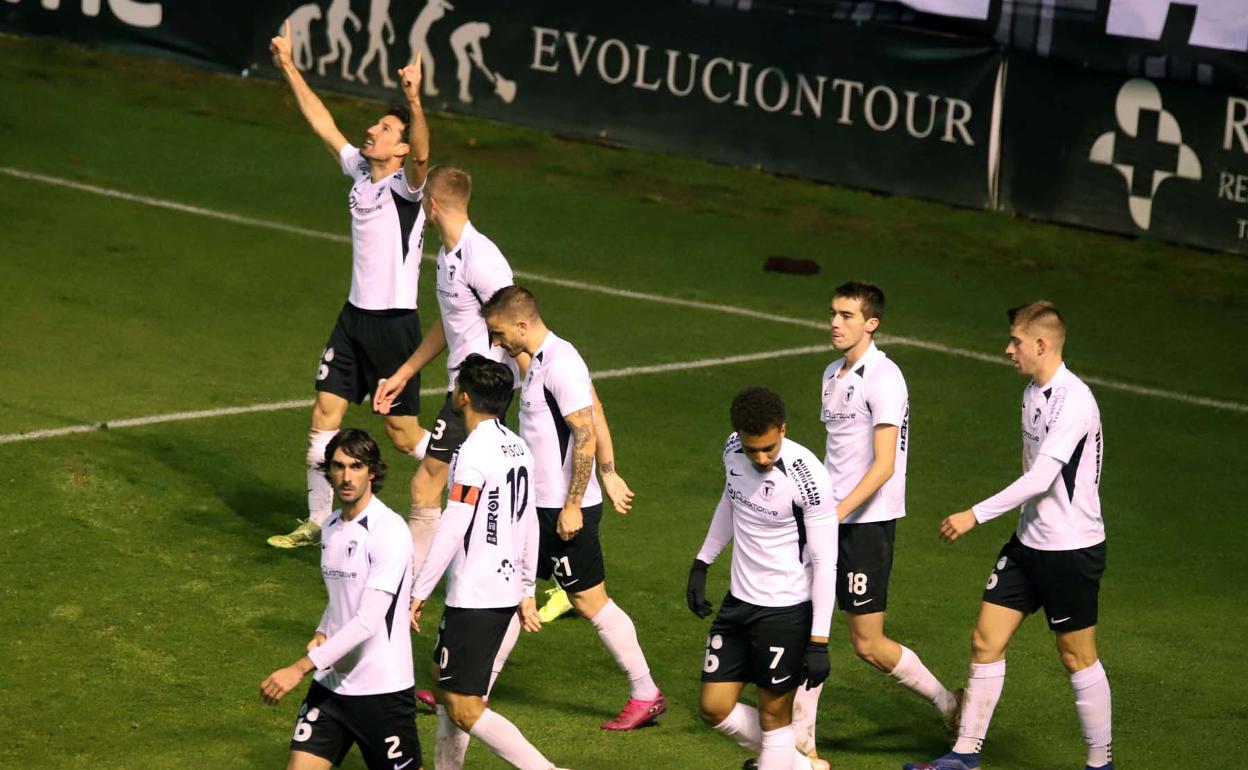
(872, 393)
(387, 235)
(1061, 420)
(373, 550)
(771, 514)
(497, 562)
(467, 277)
(557, 385)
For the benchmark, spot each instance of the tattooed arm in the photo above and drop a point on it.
(584, 445)
(612, 483)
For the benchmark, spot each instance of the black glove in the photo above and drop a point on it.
(815, 666)
(695, 594)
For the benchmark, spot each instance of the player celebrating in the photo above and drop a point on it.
(563, 423)
(772, 628)
(379, 326)
(362, 690)
(1057, 555)
(488, 537)
(866, 410)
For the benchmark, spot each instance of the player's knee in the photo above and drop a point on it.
(465, 712)
(713, 712)
(1077, 660)
(428, 482)
(985, 649)
(403, 440)
(775, 717)
(865, 649)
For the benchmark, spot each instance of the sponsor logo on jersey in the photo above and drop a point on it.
(735, 494)
(491, 522)
(506, 569)
(805, 482)
(337, 573)
(830, 416)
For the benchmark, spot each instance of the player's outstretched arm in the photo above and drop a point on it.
(584, 446)
(612, 483)
(418, 129)
(1033, 483)
(310, 105)
(389, 388)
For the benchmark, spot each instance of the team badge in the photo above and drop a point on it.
(849, 395)
(768, 489)
(351, 548)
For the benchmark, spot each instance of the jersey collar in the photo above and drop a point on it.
(1047, 387)
(868, 359)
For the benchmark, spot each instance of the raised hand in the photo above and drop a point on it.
(281, 49)
(409, 77)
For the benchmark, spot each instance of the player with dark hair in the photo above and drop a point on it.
(379, 326)
(488, 538)
(772, 627)
(362, 691)
(1056, 556)
(562, 421)
(866, 412)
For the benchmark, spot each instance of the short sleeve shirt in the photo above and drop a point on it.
(468, 276)
(387, 235)
(873, 393)
(556, 385)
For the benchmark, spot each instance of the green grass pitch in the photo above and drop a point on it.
(141, 606)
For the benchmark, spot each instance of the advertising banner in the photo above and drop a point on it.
(1130, 155)
(885, 109)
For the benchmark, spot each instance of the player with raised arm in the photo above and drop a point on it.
(563, 423)
(362, 654)
(488, 537)
(1056, 556)
(866, 411)
(379, 326)
(772, 627)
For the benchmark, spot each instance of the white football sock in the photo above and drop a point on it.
(504, 650)
(1092, 701)
(620, 636)
(741, 725)
(911, 672)
(778, 751)
(505, 740)
(320, 493)
(983, 690)
(422, 446)
(423, 522)
(450, 745)
(805, 707)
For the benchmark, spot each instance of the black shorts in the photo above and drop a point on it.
(1066, 584)
(365, 346)
(448, 432)
(863, 564)
(468, 640)
(383, 725)
(576, 564)
(762, 645)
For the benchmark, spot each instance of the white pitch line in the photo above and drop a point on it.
(275, 406)
(936, 347)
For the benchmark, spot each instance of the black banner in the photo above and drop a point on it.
(891, 110)
(1130, 155)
